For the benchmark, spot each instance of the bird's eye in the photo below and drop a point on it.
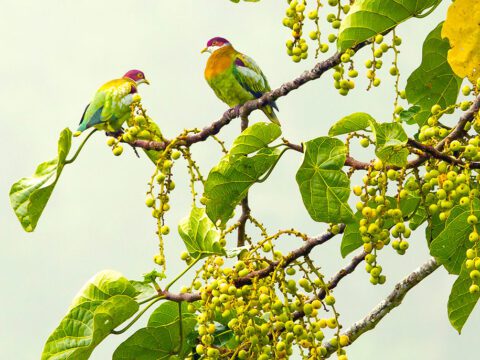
(139, 75)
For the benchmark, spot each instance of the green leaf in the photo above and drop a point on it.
(255, 137)
(368, 18)
(161, 338)
(30, 195)
(390, 141)
(461, 302)
(104, 303)
(351, 123)
(420, 216)
(155, 135)
(324, 187)
(434, 81)
(351, 239)
(450, 246)
(200, 234)
(229, 181)
(408, 116)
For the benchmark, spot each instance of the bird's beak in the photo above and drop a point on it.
(205, 50)
(147, 82)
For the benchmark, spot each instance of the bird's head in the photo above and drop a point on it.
(137, 76)
(215, 44)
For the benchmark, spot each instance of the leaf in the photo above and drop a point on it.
(161, 338)
(229, 181)
(324, 187)
(200, 234)
(351, 239)
(408, 116)
(155, 135)
(353, 122)
(30, 195)
(144, 290)
(390, 141)
(420, 216)
(254, 138)
(104, 303)
(450, 245)
(461, 302)
(433, 82)
(368, 18)
(462, 28)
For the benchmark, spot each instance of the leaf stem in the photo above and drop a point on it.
(80, 148)
(139, 315)
(180, 326)
(273, 166)
(192, 264)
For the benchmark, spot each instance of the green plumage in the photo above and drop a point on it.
(110, 107)
(235, 78)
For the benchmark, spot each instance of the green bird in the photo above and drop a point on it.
(110, 106)
(235, 78)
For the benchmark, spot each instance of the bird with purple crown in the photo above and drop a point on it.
(236, 78)
(110, 106)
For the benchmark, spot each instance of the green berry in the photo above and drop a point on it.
(117, 150)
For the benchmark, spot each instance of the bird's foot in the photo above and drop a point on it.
(115, 134)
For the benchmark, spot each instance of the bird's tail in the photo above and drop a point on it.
(268, 110)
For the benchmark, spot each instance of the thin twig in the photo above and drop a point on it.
(391, 301)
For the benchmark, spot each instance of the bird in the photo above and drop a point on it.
(236, 78)
(110, 106)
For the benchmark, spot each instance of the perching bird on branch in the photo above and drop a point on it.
(235, 77)
(110, 107)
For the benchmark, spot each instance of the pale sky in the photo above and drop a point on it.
(56, 53)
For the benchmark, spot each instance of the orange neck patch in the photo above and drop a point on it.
(219, 62)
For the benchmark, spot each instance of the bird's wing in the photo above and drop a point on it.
(249, 75)
(107, 102)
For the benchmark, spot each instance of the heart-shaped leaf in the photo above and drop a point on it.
(104, 303)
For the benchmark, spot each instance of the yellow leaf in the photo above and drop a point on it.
(462, 28)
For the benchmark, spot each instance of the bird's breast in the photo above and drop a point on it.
(217, 64)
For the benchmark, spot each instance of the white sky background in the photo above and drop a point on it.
(55, 54)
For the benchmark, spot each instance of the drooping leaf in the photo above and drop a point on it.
(450, 246)
(30, 195)
(368, 18)
(255, 137)
(324, 187)
(103, 304)
(461, 302)
(200, 235)
(390, 139)
(228, 182)
(462, 28)
(353, 122)
(433, 82)
(161, 338)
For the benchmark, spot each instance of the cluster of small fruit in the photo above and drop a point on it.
(381, 216)
(297, 47)
(270, 316)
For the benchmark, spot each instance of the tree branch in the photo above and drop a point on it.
(392, 301)
(246, 109)
(334, 281)
(245, 208)
(260, 274)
